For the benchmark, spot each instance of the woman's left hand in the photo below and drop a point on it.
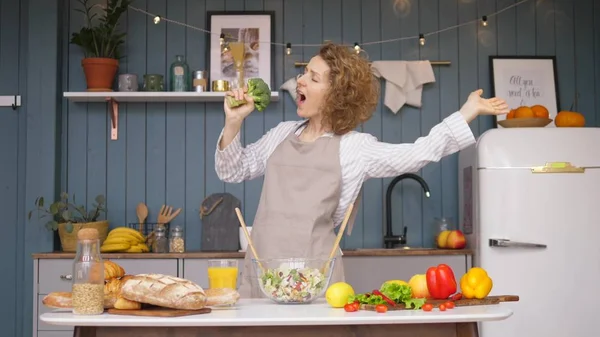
(477, 105)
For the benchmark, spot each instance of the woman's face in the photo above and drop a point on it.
(312, 88)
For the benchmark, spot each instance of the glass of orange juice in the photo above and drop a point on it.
(222, 274)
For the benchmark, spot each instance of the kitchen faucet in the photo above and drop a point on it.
(389, 239)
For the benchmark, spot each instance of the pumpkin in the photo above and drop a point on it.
(568, 119)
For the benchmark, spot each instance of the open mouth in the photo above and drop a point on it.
(300, 97)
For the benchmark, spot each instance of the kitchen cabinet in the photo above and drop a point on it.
(55, 275)
(364, 271)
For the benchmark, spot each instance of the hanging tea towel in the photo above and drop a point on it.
(290, 87)
(405, 80)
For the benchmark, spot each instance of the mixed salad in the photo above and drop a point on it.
(292, 285)
(391, 294)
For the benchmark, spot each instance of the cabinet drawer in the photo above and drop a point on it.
(196, 270)
(56, 274)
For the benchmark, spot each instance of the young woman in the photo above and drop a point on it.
(314, 168)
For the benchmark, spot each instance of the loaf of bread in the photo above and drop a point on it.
(164, 291)
(112, 270)
(221, 296)
(112, 287)
(112, 294)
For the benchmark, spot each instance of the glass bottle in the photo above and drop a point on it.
(88, 274)
(440, 225)
(160, 243)
(179, 75)
(176, 240)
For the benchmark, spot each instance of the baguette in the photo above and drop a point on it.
(164, 291)
(58, 300)
(63, 300)
(221, 296)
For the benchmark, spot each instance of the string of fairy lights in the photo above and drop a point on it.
(225, 40)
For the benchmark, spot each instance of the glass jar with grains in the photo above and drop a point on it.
(160, 243)
(88, 274)
(176, 241)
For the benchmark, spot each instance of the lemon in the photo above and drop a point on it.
(337, 294)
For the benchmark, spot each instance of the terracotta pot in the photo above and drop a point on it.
(100, 73)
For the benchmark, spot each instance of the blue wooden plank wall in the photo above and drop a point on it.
(165, 152)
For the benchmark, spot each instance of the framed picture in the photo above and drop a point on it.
(525, 81)
(256, 30)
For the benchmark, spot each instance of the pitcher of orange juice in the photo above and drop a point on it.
(222, 273)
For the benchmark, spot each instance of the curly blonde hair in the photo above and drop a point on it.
(354, 90)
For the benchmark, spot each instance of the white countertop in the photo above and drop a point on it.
(262, 312)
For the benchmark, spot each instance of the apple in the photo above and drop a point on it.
(456, 240)
(418, 285)
(442, 239)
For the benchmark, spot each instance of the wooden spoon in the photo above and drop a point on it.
(243, 223)
(142, 213)
(336, 244)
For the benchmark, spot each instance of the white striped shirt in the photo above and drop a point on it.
(362, 156)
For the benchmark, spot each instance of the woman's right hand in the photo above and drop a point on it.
(238, 114)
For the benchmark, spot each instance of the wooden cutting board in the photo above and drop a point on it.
(464, 302)
(159, 312)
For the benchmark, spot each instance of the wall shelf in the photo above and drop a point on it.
(150, 97)
(113, 98)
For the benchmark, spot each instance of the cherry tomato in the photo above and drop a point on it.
(442, 307)
(427, 307)
(381, 308)
(350, 307)
(449, 305)
(456, 297)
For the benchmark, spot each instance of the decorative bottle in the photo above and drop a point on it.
(88, 274)
(179, 75)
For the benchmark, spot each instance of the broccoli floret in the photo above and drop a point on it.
(258, 90)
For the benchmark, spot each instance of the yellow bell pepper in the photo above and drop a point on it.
(476, 283)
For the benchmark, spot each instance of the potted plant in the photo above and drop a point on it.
(100, 41)
(68, 218)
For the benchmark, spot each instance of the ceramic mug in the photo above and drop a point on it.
(243, 240)
(153, 82)
(128, 82)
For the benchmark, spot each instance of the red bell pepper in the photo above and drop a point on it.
(440, 281)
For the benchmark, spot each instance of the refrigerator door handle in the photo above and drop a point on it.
(513, 244)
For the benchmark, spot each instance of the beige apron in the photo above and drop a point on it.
(301, 191)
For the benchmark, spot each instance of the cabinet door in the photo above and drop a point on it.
(196, 270)
(148, 266)
(55, 333)
(366, 273)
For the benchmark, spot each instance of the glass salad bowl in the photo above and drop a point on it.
(293, 280)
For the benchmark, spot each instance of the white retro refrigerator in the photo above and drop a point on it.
(529, 203)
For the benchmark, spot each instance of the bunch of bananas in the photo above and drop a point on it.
(124, 240)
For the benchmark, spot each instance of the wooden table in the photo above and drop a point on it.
(263, 318)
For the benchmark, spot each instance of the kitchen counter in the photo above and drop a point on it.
(261, 317)
(234, 255)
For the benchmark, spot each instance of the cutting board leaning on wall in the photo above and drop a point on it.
(220, 225)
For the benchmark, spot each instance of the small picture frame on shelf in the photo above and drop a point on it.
(525, 81)
(256, 30)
